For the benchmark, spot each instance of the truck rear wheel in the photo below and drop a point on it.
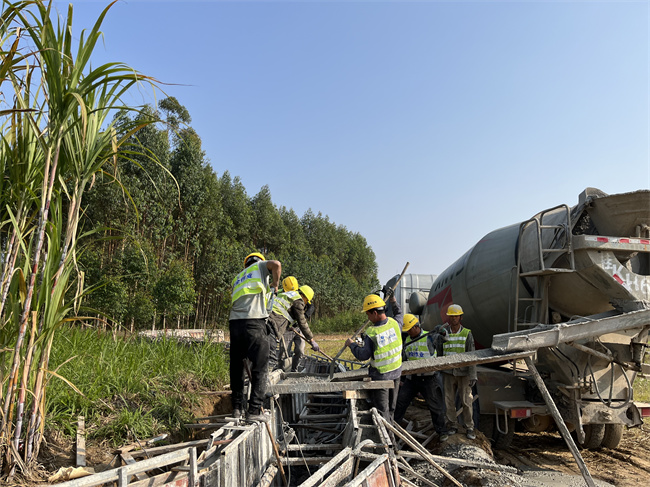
(613, 435)
(594, 434)
(487, 426)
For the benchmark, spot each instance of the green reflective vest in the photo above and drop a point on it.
(283, 302)
(388, 346)
(249, 281)
(456, 342)
(419, 350)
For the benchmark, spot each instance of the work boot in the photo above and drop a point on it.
(236, 413)
(444, 437)
(260, 417)
(470, 434)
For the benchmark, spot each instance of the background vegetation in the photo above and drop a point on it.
(130, 387)
(168, 242)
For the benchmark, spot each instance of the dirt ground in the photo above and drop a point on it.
(626, 466)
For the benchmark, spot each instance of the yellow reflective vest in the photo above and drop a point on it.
(387, 339)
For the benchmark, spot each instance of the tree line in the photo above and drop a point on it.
(169, 234)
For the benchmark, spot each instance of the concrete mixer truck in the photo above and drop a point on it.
(587, 264)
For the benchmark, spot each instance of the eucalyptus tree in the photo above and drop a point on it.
(57, 136)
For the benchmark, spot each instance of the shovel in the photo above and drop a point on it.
(360, 331)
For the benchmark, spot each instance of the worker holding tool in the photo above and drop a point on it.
(421, 345)
(253, 288)
(382, 344)
(457, 339)
(289, 310)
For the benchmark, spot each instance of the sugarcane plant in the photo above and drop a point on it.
(58, 134)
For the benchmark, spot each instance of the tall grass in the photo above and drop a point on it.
(346, 323)
(57, 135)
(131, 387)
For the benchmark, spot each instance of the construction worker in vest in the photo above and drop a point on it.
(382, 344)
(457, 339)
(420, 345)
(253, 289)
(289, 311)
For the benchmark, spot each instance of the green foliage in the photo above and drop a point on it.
(642, 389)
(183, 217)
(347, 322)
(131, 386)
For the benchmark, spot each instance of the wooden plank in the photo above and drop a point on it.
(81, 442)
(113, 475)
(324, 386)
(128, 460)
(360, 394)
(322, 472)
(159, 450)
(194, 471)
(320, 446)
(378, 466)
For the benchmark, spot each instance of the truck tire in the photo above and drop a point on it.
(594, 434)
(487, 426)
(613, 435)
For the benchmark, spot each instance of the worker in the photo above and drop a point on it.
(420, 345)
(288, 310)
(460, 380)
(382, 344)
(252, 289)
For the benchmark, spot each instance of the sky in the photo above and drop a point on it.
(421, 125)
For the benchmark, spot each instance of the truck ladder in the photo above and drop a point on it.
(559, 236)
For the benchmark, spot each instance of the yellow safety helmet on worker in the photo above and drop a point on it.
(373, 301)
(307, 292)
(409, 322)
(454, 310)
(252, 258)
(290, 284)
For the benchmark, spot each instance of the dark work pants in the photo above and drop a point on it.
(249, 339)
(384, 400)
(431, 388)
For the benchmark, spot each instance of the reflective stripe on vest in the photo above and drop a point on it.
(419, 350)
(249, 281)
(388, 346)
(456, 342)
(283, 302)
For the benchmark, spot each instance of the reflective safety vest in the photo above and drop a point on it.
(456, 342)
(249, 281)
(419, 350)
(388, 346)
(283, 302)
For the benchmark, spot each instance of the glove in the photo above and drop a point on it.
(314, 345)
(472, 383)
(388, 292)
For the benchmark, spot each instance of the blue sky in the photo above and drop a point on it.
(421, 125)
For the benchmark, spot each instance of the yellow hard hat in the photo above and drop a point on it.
(307, 292)
(454, 310)
(254, 254)
(290, 284)
(409, 322)
(372, 301)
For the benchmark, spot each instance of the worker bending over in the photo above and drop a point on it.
(457, 339)
(289, 310)
(249, 337)
(420, 345)
(382, 344)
